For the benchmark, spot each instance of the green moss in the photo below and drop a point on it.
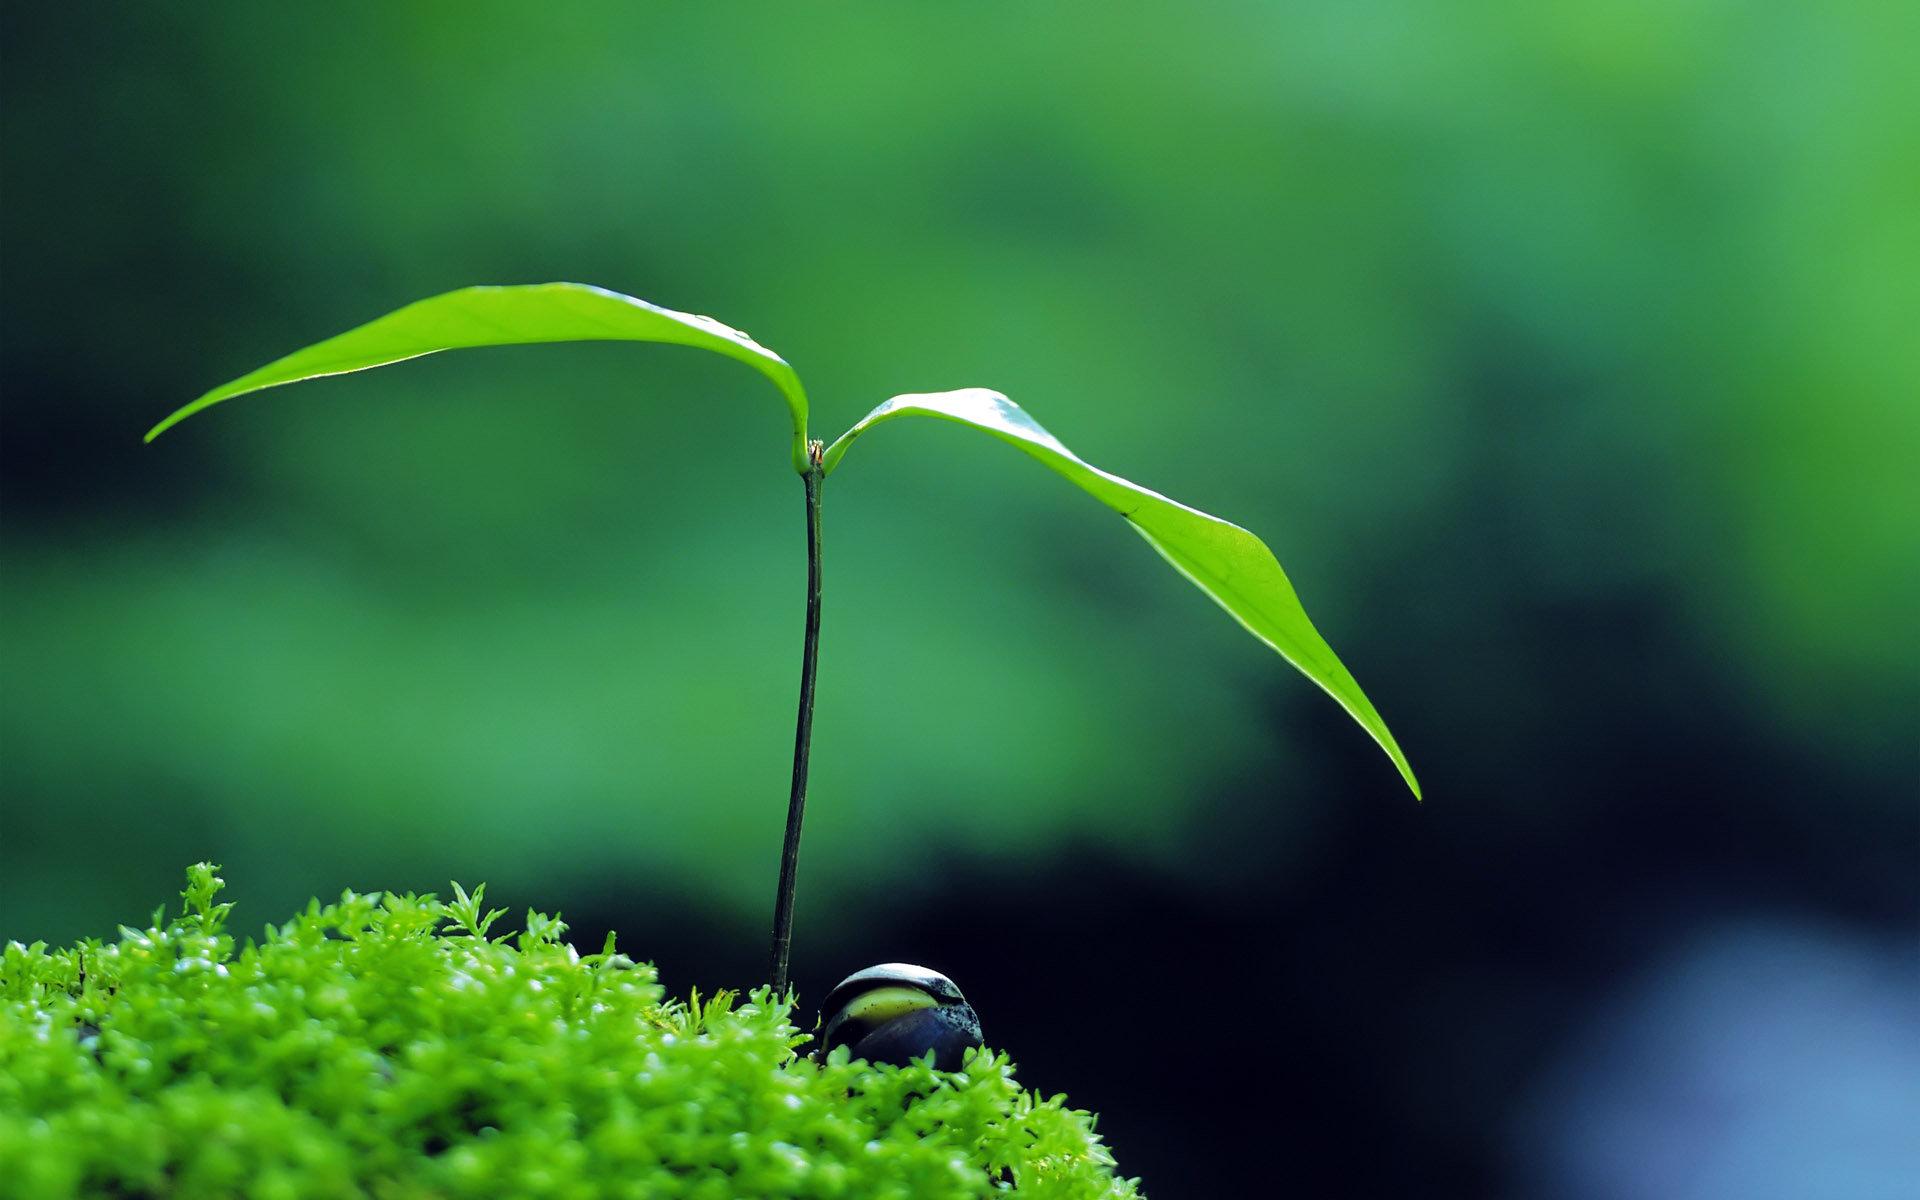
(386, 1046)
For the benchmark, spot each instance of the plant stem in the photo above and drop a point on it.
(802, 731)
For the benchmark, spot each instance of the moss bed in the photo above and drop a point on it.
(387, 1046)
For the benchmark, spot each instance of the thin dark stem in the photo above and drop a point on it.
(802, 734)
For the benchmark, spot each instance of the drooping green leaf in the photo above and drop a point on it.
(509, 316)
(1229, 564)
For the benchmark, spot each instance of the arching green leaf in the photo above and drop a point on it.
(509, 316)
(1229, 564)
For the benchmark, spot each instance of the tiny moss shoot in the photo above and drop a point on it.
(395, 1046)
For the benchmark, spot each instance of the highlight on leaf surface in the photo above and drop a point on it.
(513, 316)
(1229, 564)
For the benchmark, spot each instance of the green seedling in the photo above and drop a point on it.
(1229, 564)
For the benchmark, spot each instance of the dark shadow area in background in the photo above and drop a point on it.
(1372, 1027)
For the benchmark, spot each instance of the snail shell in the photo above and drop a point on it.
(897, 1012)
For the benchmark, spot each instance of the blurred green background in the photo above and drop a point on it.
(1564, 354)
